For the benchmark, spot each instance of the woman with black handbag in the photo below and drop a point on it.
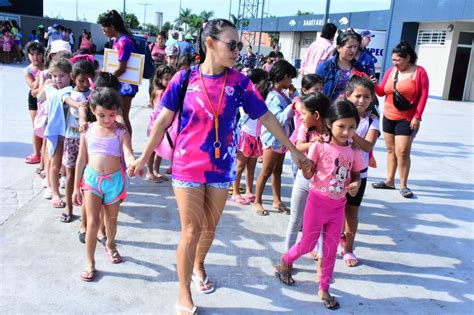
(405, 87)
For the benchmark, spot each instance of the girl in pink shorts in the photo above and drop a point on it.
(250, 146)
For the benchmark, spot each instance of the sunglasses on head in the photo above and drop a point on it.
(233, 44)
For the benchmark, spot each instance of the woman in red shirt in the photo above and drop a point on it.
(401, 126)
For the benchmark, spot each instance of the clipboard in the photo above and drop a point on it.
(135, 65)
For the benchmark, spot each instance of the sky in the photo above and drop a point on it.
(90, 9)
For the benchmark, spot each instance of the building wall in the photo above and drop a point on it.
(28, 23)
(436, 58)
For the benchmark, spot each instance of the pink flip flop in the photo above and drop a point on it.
(239, 200)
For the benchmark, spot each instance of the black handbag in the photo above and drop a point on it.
(400, 102)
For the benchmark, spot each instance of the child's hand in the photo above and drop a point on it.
(77, 197)
(136, 168)
(83, 127)
(353, 188)
(373, 79)
(307, 165)
(355, 146)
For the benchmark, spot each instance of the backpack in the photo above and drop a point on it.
(142, 48)
(165, 148)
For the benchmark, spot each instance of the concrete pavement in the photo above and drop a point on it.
(416, 255)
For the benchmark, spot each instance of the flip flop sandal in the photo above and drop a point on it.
(381, 185)
(249, 198)
(180, 309)
(284, 276)
(263, 212)
(82, 237)
(406, 192)
(113, 255)
(88, 276)
(202, 284)
(347, 258)
(58, 204)
(282, 208)
(153, 178)
(329, 303)
(239, 200)
(102, 240)
(162, 177)
(66, 218)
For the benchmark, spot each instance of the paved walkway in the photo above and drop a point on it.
(416, 255)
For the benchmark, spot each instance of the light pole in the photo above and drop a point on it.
(326, 12)
(179, 15)
(124, 11)
(77, 6)
(144, 13)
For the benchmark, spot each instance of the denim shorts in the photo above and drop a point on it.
(185, 184)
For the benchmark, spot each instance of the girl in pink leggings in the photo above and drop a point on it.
(334, 166)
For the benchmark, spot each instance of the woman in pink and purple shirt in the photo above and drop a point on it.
(205, 148)
(113, 26)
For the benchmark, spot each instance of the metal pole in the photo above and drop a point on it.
(260, 32)
(144, 13)
(387, 37)
(326, 12)
(77, 6)
(230, 9)
(124, 10)
(239, 22)
(179, 15)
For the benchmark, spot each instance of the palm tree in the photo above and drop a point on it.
(195, 23)
(206, 15)
(183, 18)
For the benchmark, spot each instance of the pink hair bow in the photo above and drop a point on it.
(76, 58)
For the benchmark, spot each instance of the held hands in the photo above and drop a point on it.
(414, 124)
(298, 157)
(353, 188)
(136, 168)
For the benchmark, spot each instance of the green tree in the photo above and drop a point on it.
(167, 26)
(234, 19)
(152, 29)
(183, 18)
(131, 20)
(194, 23)
(206, 15)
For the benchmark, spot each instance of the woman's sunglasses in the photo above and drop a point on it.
(232, 45)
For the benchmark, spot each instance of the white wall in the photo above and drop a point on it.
(435, 59)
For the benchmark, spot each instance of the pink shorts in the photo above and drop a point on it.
(249, 145)
(7, 47)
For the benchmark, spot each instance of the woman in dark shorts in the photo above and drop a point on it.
(400, 127)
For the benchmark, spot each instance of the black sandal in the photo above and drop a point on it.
(329, 303)
(381, 185)
(406, 192)
(284, 276)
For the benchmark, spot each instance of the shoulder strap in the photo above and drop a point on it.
(182, 94)
(395, 80)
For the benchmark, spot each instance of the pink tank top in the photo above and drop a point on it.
(104, 146)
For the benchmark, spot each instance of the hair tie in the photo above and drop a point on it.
(360, 74)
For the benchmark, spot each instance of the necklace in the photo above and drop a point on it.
(217, 144)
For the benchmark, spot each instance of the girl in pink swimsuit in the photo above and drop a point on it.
(103, 182)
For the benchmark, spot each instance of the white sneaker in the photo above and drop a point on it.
(45, 183)
(62, 182)
(48, 194)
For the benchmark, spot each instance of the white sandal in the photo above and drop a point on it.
(202, 283)
(179, 309)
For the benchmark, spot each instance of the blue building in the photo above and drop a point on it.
(442, 33)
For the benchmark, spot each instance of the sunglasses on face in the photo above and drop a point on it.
(233, 44)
